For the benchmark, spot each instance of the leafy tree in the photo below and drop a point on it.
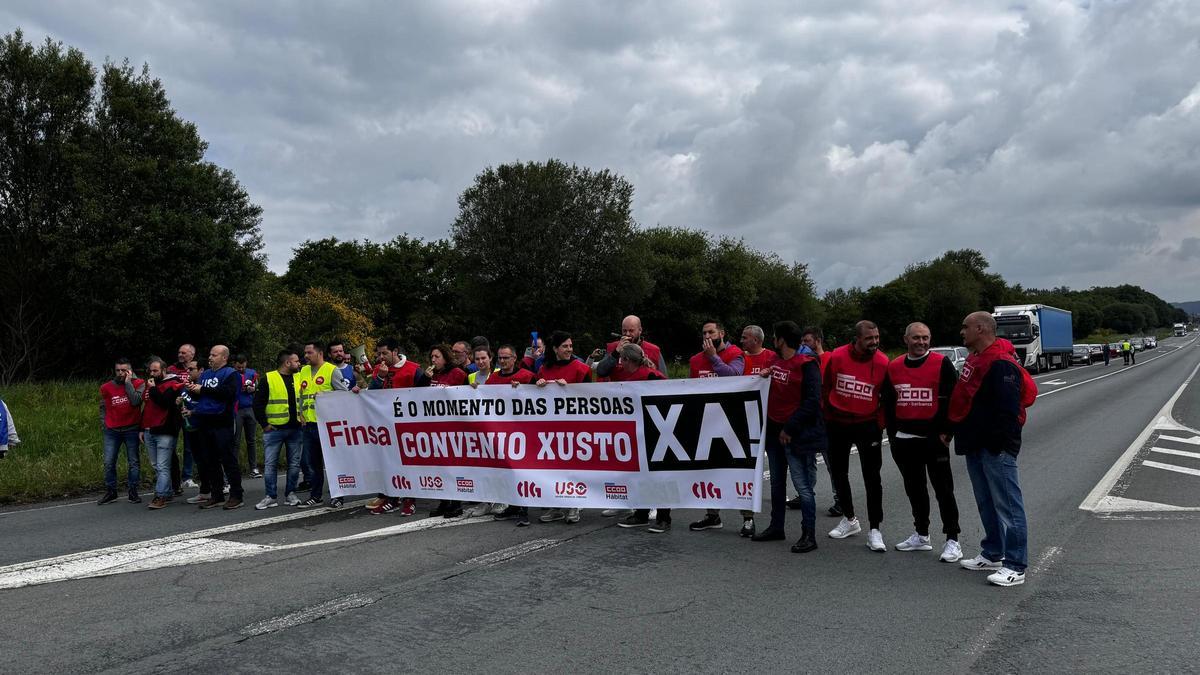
(548, 245)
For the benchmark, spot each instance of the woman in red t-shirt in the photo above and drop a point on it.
(564, 368)
(443, 372)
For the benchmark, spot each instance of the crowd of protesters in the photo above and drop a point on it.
(821, 404)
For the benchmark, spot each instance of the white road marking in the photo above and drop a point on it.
(1046, 560)
(506, 554)
(1190, 440)
(178, 551)
(14, 512)
(1055, 383)
(1173, 451)
(308, 614)
(1172, 467)
(1092, 501)
(1110, 505)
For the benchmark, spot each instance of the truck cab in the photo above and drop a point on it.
(1041, 334)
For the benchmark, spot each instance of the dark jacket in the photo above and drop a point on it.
(807, 425)
(992, 424)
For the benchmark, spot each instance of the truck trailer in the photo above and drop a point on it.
(1041, 334)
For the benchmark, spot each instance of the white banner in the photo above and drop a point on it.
(671, 444)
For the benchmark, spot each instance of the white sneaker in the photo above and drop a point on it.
(572, 516)
(291, 499)
(266, 503)
(189, 483)
(915, 542)
(845, 529)
(952, 552)
(609, 513)
(551, 516)
(981, 563)
(198, 499)
(478, 510)
(875, 541)
(498, 508)
(1006, 577)
(653, 515)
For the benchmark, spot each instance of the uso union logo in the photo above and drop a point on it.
(745, 490)
(431, 482)
(345, 481)
(615, 491)
(570, 489)
(528, 489)
(706, 491)
(401, 483)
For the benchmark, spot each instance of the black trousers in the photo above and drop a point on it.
(216, 453)
(867, 437)
(920, 457)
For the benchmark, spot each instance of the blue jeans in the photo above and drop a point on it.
(272, 440)
(803, 470)
(316, 461)
(161, 449)
(113, 440)
(1001, 508)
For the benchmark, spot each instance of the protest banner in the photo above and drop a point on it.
(670, 444)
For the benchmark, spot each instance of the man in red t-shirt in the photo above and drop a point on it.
(756, 357)
(394, 370)
(717, 358)
(794, 435)
(121, 417)
(851, 384)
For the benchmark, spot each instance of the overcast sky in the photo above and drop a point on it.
(1061, 139)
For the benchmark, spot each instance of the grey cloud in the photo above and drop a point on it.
(1059, 139)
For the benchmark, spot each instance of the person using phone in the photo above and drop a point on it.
(121, 418)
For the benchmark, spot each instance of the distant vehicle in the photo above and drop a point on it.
(1114, 349)
(1137, 343)
(1040, 333)
(957, 355)
(1180, 330)
(1150, 342)
(1081, 354)
(1097, 352)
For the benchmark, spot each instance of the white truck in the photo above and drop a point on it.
(1041, 334)
(1180, 330)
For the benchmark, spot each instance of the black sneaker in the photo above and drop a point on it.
(660, 526)
(768, 535)
(308, 503)
(834, 511)
(635, 520)
(710, 521)
(134, 498)
(110, 496)
(508, 513)
(794, 502)
(303, 486)
(438, 510)
(453, 512)
(523, 520)
(336, 503)
(747, 528)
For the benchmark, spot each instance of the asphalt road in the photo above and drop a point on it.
(1112, 587)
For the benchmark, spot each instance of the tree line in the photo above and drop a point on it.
(117, 236)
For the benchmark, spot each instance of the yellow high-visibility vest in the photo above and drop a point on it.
(278, 412)
(311, 385)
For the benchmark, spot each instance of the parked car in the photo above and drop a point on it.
(1081, 354)
(1114, 349)
(957, 355)
(1097, 352)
